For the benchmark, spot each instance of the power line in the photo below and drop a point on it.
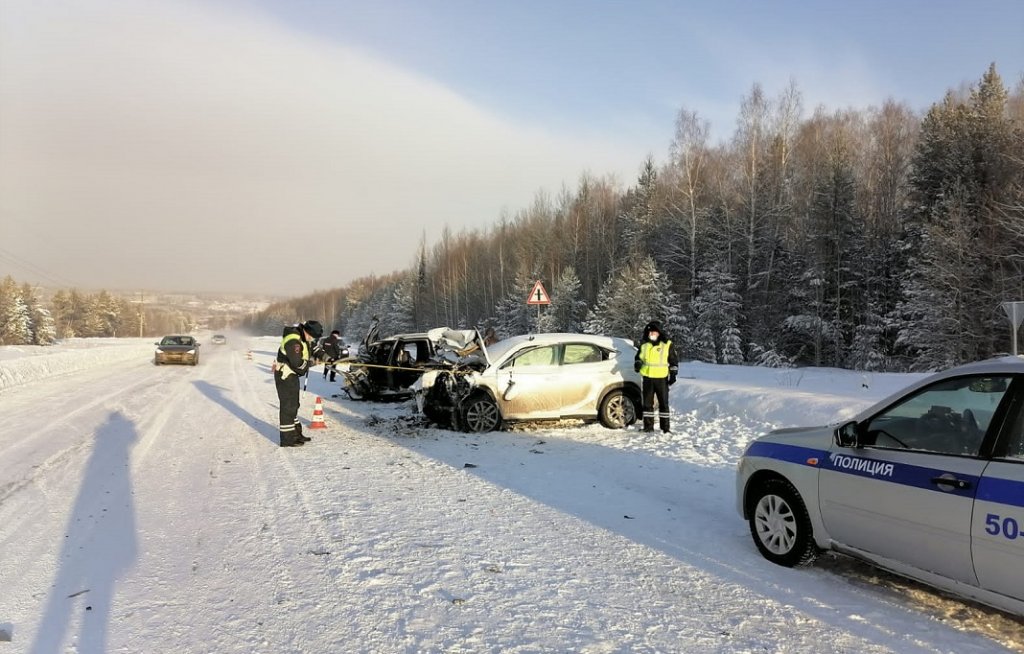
(18, 262)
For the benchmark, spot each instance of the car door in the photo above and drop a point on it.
(528, 384)
(583, 375)
(998, 528)
(406, 365)
(908, 493)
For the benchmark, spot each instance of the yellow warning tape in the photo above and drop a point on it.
(356, 364)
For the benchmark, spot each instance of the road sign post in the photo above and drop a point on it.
(1015, 312)
(539, 296)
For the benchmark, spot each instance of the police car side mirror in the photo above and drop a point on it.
(848, 434)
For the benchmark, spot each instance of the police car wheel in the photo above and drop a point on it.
(780, 524)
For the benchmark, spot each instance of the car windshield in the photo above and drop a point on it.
(497, 351)
(176, 340)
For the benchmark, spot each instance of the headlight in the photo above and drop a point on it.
(192, 351)
(158, 352)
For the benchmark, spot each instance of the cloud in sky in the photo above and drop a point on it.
(288, 145)
(188, 147)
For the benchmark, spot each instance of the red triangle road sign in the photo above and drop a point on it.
(538, 295)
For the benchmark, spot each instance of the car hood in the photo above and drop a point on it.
(820, 437)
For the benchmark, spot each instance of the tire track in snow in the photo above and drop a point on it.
(75, 422)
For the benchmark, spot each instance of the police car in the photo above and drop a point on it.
(928, 483)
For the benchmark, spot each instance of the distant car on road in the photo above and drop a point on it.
(177, 348)
(928, 483)
(219, 339)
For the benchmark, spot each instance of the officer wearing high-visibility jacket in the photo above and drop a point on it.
(293, 360)
(657, 364)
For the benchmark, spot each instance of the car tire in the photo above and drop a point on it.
(480, 414)
(617, 410)
(780, 524)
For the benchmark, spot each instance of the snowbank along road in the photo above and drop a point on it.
(149, 509)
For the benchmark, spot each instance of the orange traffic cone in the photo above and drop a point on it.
(318, 415)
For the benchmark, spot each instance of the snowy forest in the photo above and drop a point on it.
(873, 239)
(25, 319)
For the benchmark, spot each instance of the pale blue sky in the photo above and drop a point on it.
(299, 144)
(630, 66)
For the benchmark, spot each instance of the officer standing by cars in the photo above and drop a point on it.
(332, 352)
(657, 363)
(293, 361)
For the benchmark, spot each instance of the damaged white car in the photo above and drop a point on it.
(479, 387)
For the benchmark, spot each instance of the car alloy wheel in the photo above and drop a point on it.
(617, 410)
(481, 414)
(781, 526)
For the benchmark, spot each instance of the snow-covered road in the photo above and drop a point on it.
(147, 509)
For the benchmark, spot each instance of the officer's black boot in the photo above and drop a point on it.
(288, 439)
(299, 436)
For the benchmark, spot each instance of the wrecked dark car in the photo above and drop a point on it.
(476, 387)
(386, 368)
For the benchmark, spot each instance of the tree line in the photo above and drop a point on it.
(25, 319)
(873, 239)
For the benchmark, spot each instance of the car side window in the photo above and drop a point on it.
(948, 417)
(1015, 444)
(581, 353)
(540, 356)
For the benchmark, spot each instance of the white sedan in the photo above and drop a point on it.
(535, 377)
(928, 483)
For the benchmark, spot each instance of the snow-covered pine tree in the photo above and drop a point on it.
(62, 314)
(15, 327)
(716, 311)
(94, 317)
(513, 316)
(768, 357)
(40, 321)
(809, 334)
(938, 309)
(631, 298)
(964, 256)
(636, 221)
(110, 312)
(732, 346)
(567, 311)
(865, 351)
(401, 313)
(395, 304)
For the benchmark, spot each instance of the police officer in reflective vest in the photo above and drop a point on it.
(293, 360)
(657, 364)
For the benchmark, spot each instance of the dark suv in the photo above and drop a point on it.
(387, 368)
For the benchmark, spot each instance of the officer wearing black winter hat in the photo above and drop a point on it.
(293, 360)
(657, 363)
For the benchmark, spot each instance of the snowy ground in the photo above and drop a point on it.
(147, 509)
